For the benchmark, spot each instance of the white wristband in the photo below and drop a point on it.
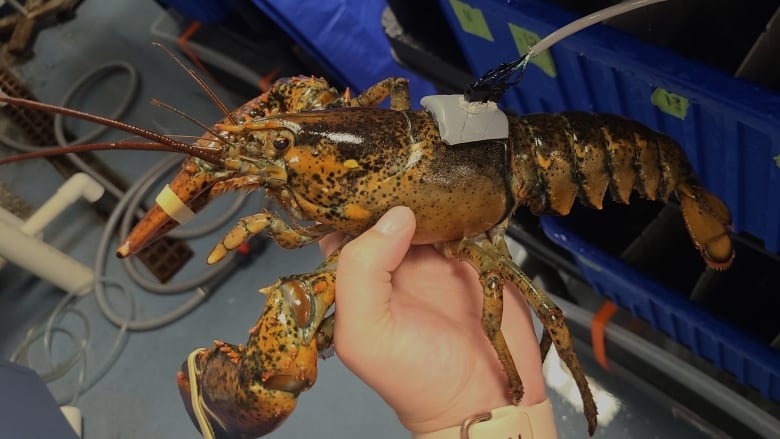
(508, 422)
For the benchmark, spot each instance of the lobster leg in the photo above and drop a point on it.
(278, 230)
(396, 88)
(492, 312)
(324, 336)
(324, 333)
(493, 262)
(552, 319)
(497, 234)
(492, 308)
(544, 344)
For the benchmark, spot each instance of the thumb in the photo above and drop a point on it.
(364, 270)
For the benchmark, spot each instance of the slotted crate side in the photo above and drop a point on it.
(729, 129)
(728, 349)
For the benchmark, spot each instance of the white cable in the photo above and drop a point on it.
(54, 372)
(589, 20)
(103, 249)
(116, 349)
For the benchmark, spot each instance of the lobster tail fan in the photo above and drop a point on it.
(708, 222)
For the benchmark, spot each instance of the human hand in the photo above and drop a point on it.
(408, 324)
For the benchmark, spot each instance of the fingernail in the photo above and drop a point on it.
(392, 221)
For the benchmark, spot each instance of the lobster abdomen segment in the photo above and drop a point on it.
(557, 158)
(560, 157)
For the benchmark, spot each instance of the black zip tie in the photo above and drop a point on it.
(491, 86)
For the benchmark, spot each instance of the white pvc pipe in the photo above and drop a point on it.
(10, 218)
(20, 247)
(44, 260)
(79, 185)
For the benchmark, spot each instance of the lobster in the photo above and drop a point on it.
(341, 163)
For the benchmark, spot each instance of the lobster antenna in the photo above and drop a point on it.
(202, 84)
(180, 113)
(212, 155)
(47, 152)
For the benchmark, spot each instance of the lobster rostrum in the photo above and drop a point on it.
(343, 165)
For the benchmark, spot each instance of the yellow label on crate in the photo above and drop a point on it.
(524, 39)
(670, 103)
(471, 19)
(777, 160)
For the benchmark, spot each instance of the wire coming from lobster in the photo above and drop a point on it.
(340, 162)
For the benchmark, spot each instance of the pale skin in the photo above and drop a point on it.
(408, 324)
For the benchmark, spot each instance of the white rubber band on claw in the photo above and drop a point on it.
(171, 204)
(197, 407)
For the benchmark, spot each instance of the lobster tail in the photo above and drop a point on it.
(708, 222)
(557, 158)
(572, 155)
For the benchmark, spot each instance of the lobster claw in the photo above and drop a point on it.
(210, 387)
(187, 194)
(236, 392)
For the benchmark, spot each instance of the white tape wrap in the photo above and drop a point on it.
(171, 204)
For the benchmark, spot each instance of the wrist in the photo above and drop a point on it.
(528, 422)
(464, 407)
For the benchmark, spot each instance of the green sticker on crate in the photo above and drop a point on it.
(471, 20)
(670, 103)
(777, 160)
(524, 40)
(588, 263)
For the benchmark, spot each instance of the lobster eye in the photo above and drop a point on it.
(281, 143)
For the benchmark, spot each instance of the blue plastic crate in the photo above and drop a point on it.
(346, 38)
(205, 11)
(751, 362)
(730, 129)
